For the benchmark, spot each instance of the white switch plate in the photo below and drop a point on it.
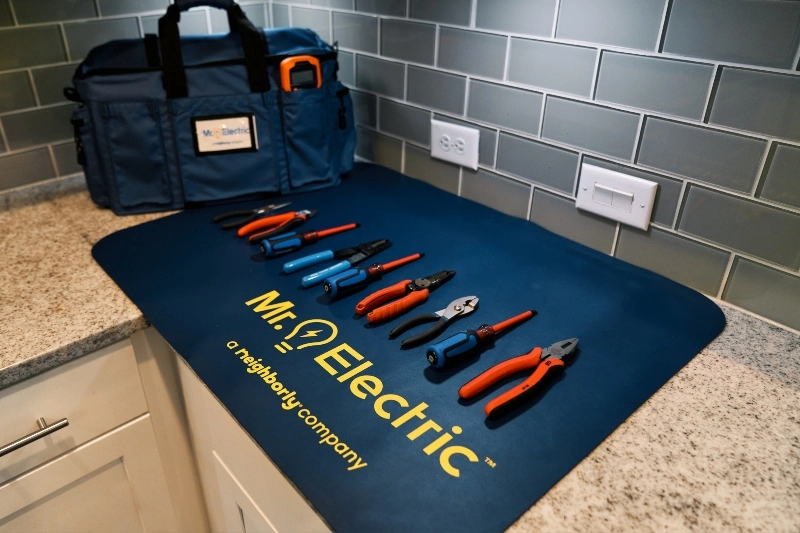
(616, 196)
(455, 143)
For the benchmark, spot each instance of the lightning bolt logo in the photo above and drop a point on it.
(310, 333)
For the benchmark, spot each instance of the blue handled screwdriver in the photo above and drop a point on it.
(466, 341)
(349, 258)
(289, 242)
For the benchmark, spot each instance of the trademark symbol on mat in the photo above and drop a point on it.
(490, 462)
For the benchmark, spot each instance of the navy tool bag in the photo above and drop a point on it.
(166, 122)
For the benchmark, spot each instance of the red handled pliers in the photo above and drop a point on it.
(275, 225)
(411, 294)
(545, 362)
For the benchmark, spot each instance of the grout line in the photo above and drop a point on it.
(378, 32)
(289, 14)
(496, 148)
(465, 108)
(405, 85)
(530, 203)
(53, 160)
(507, 59)
(726, 276)
(330, 26)
(797, 59)
(712, 93)
(64, 41)
(637, 141)
(555, 18)
(96, 8)
(436, 37)
(13, 13)
(761, 167)
(662, 30)
(460, 178)
(408, 9)
(403, 157)
(33, 88)
(30, 109)
(711, 83)
(473, 14)
(595, 75)
(576, 180)
(540, 129)
(616, 240)
(140, 25)
(4, 139)
(681, 199)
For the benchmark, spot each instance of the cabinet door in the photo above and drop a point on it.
(241, 514)
(112, 483)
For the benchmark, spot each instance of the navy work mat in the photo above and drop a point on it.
(349, 448)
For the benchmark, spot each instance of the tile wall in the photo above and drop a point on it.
(701, 96)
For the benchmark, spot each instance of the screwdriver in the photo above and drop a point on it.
(465, 341)
(358, 278)
(289, 242)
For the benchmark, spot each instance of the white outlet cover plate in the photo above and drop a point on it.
(454, 143)
(617, 196)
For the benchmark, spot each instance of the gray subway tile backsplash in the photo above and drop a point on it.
(533, 17)
(472, 52)
(31, 46)
(559, 215)
(15, 91)
(739, 31)
(37, 126)
(395, 8)
(713, 156)
(456, 12)
(498, 192)
(782, 176)
(365, 108)
(347, 68)
(50, 83)
(125, 7)
(339, 4)
(764, 102)
(381, 149)
(664, 85)
(537, 162)
(5, 14)
(280, 17)
(256, 13)
(357, 32)
(66, 159)
(559, 67)
(627, 23)
(314, 19)
(24, 168)
(441, 174)
(379, 76)
(487, 142)
(411, 123)
(688, 262)
(599, 129)
(668, 194)
(83, 36)
(743, 225)
(437, 90)
(505, 106)
(38, 11)
(766, 291)
(409, 41)
(192, 23)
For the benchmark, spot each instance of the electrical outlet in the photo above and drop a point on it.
(454, 143)
(616, 196)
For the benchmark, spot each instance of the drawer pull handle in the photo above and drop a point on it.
(44, 430)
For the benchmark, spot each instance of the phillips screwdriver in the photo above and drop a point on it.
(466, 341)
(358, 278)
(289, 242)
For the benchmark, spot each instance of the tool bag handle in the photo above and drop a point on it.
(254, 45)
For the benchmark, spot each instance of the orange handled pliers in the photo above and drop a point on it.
(546, 362)
(275, 225)
(411, 294)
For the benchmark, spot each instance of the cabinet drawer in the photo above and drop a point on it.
(96, 393)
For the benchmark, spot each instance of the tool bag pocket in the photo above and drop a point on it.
(86, 152)
(221, 139)
(135, 140)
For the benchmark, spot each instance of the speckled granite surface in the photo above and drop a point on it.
(716, 449)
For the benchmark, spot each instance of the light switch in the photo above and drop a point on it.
(621, 200)
(602, 195)
(616, 195)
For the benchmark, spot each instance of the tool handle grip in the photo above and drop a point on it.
(278, 230)
(458, 344)
(533, 383)
(393, 309)
(500, 371)
(347, 281)
(409, 323)
(430, 333)
(266, 222)
(382, 296)
(282, 244)
(319, 277)
(304, 262)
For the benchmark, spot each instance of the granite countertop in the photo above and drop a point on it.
(716, 449)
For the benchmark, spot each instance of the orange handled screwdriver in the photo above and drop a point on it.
(466, 341)
(289, 242)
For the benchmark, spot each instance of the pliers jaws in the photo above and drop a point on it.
(455, 309)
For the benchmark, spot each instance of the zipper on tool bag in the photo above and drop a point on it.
(340, 94)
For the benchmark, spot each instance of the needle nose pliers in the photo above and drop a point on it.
(454, 310)
(245, 216)
(545, 362)
(411, 294)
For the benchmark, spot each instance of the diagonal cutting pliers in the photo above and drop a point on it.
(454, 310)
(545, 362)
(349, 258)
(267, 227)
(411, 294)
(246, 216)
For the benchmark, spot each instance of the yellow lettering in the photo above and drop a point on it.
(334, 352)
(356, 370)
(388, 398)
(371, 384)
(267, 305)
(411, 413)
(444, 458)
(438, 443)
(301, 415)
(425, 426)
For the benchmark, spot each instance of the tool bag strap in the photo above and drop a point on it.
(254, 45)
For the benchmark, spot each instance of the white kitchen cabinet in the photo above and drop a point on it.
(244, 490)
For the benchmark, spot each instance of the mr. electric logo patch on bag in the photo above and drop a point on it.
(224, 134)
